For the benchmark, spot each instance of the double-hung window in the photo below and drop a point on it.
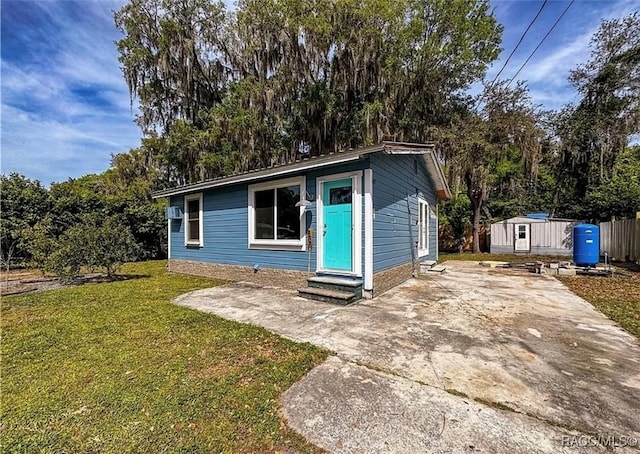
(193, 220)
(423, 227)
(275, 222)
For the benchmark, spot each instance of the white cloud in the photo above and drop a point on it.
(566, 47)
(65, 105)
(554, 68)
(51, 150)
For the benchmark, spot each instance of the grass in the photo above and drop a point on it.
(616, 297)
(114, 367)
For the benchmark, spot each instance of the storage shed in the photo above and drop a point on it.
(534, 233)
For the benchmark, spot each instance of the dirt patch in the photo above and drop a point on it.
(618, 297)
(17, 282)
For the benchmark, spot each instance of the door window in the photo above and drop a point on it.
(522, 232)
(339, 196)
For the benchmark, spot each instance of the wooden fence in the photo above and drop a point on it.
(447, 243)
(621, 239)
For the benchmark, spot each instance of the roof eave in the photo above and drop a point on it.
(281, 170)
(427, 150)
(443, 192)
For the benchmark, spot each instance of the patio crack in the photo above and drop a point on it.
(487, 403)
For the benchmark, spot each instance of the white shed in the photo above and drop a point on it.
(534, 233)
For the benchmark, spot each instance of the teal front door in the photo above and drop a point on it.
(338, 231)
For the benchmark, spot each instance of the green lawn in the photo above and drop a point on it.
(114, 367)
(616, 297)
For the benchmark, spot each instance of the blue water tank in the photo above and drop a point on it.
(586, 245)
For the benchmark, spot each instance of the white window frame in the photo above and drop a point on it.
(423, 230)
(276, 244)
(187, 241)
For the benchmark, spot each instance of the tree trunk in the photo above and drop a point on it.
(476, 196)
(476, 226)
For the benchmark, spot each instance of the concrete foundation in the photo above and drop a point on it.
(263, 276)
(387, 279)
(382, 281)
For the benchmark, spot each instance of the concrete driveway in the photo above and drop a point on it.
(473, 360)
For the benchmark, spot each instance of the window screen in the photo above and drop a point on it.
(264, 206)
(288, 213)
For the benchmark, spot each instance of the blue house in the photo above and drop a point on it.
(349, 224)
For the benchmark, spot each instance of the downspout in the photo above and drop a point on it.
(169, 242)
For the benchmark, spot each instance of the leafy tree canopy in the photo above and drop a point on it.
(23, 203)
(230, 90)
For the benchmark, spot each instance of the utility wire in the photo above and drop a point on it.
(540, 43)
(519, 42)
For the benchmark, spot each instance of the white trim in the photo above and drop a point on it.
(356, 222)
(187, 199)
(275, 244)
(527, 237)
(423, 208)
(368, 229)
(405, 152)
(437, 229)
(168, 239)
(437, 175)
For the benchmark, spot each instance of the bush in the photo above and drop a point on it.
(455, 213)
(39, 242)
(112, 245)
(94, 244)
(68, 258)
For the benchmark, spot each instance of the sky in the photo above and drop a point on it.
(66, 108)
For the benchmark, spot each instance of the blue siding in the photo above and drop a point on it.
(225, 217)
(396, 187)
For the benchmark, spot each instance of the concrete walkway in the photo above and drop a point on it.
(473, 360)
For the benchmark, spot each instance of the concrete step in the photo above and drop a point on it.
(327, 279)
(338, 283)
(430, 265)
(328, 295)
(437, 269)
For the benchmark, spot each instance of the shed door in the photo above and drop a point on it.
(522, 241)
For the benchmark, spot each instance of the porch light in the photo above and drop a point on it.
(305, 200)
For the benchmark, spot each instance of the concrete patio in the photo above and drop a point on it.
(473, 360)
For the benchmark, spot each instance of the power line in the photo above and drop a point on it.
(519, 42)
(540, 43)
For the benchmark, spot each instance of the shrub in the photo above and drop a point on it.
(107, 244)
(40, 243)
